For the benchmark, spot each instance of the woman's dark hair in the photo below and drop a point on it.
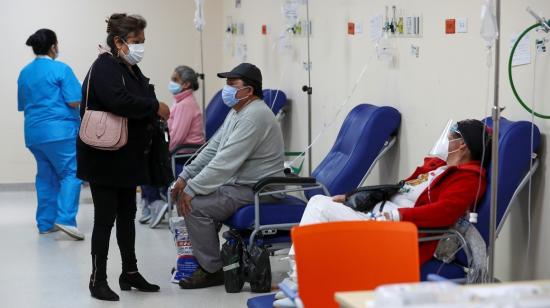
(41, 41)
(188, 74)
(477, 137)
(123, 25)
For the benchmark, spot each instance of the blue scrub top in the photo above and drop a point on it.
(45, 87)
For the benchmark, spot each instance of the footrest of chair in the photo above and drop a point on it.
(264, 301)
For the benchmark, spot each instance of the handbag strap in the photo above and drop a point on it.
(88, 85)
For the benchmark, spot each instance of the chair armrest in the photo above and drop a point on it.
(188, 146)
(283, 181)
(441, 233)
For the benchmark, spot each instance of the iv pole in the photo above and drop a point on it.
(494, 154)
(308, 89)
(201, 75)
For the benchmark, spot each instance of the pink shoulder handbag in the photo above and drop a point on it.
(102, 130)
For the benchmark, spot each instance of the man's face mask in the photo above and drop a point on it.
(229, 96)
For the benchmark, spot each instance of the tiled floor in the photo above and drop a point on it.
(53, 270)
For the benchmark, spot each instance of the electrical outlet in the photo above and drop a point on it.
(450, 26)
(461, 25)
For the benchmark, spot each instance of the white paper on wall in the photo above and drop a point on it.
(290, 11)
(376, 24)
(241, 51)
(522, 55)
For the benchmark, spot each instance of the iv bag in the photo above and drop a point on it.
(489, 27)
(199, 18)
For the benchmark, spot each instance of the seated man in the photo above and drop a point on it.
(247, 148)
(437, 194)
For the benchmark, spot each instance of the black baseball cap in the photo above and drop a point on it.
(245, 71)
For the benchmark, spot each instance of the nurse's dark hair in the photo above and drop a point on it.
(41, 41)
(123, 25)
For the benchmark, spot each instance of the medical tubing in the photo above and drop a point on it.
(340, 108)
(531, 158)
(196, 153)
(483, 134)
(510, 77)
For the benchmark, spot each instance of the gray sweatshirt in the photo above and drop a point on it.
(247, 147)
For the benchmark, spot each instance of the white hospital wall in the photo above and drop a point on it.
(448, 80)
(171, 40)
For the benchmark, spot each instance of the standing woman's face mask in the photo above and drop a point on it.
(132, 49)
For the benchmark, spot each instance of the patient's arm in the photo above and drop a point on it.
(453, 202)
(339, 198)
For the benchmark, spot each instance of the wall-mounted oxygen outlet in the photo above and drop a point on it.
(461, 25)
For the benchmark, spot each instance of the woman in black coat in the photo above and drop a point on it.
(117, 85)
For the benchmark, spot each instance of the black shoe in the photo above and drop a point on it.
(135, 280)
(101, 290)
(202, 279)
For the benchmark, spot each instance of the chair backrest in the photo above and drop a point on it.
(514, 161)
(216, 110)
(215, 114)
(351, 256)
(275, 99)
(360, 140)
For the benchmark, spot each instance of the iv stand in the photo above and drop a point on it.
(308, 89)
(201, 76)
(494, 154)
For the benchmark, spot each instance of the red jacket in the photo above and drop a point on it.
(452, 193)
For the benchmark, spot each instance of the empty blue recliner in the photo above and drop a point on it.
(514, 163)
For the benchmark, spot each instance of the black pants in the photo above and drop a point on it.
(113, 204)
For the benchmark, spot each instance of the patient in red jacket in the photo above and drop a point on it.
(451, 180)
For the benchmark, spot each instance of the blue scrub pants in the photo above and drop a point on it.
(57, 186)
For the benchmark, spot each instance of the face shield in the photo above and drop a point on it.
(441, 146)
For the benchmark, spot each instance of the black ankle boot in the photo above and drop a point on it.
(135, 280)
(102, 291)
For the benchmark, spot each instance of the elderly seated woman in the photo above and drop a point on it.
(437, 193)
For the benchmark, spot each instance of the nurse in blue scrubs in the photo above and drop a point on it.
(49, 94)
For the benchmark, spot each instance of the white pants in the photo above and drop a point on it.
(321, 209)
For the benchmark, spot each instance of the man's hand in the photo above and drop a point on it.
(339, 198)
(177, 188)
(184, 204)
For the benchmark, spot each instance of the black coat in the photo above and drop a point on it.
(115, 89)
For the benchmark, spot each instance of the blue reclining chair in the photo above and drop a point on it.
(514, 163)
(366, 134)
(276, 100)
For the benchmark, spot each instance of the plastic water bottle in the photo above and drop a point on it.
(186, 263)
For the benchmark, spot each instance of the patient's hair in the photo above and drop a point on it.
(41, 41)
(477, 137)
(188, 74)
(123, 25)
(257, 86)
